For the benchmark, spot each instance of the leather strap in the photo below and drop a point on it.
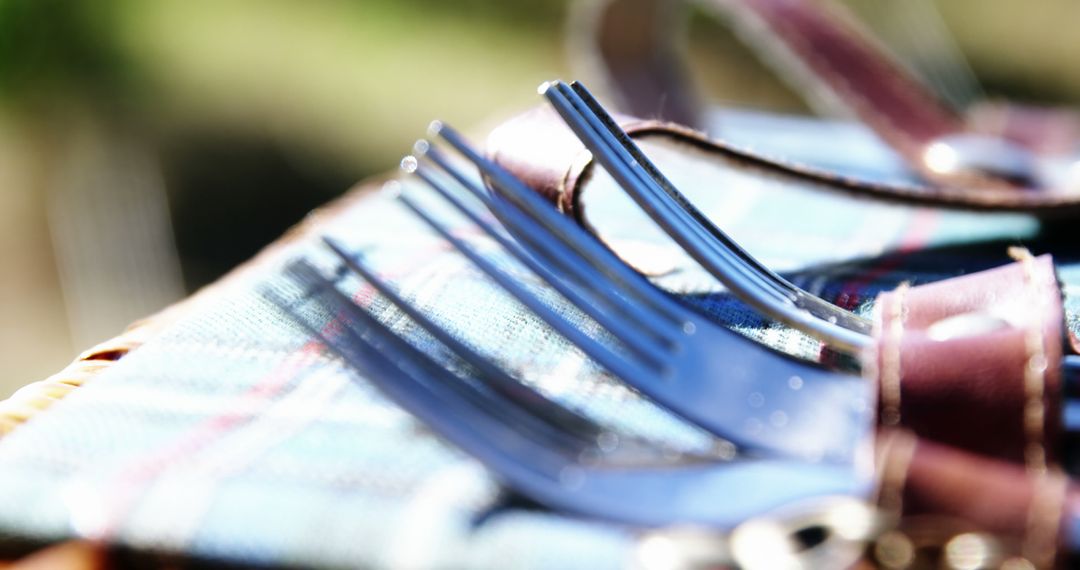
(973, 361)
(819, 46)
(923, 478)
(1050, 131)
(838, 52)
(539, 147)
(837, 56)
(628, 49)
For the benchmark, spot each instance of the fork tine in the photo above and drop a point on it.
(544, 245)
(837, 320)
(621, 141)
(625, 332)
(390, 348)
(744, 276)
(618, 140)
(491, 375)
(554, 473)
(650, 494)
(563, 229)
(627, 170)
(615, 363)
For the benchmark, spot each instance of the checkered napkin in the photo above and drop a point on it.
(234, 436)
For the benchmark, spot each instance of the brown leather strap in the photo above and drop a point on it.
(628, 49)
(1047, 130)
(991, 495)
(973, 361)
(822, 37)
(821, 48)
(872, 86)
(539, 147)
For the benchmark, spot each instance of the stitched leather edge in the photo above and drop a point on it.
(891, 373)
(894, 456)
(1040, 544)
(1034, 369)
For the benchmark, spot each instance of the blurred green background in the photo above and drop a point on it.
(148, 146)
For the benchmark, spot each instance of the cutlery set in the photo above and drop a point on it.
(815, 439)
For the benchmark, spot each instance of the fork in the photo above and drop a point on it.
(718, 253)
(763, 401)
(522, 437)
(746, 277)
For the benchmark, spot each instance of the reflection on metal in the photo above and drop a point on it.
(683, 548)
(827, 533)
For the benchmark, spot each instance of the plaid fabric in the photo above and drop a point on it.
(233, 436)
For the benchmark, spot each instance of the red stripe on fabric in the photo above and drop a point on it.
(915, 236)
(133, 479)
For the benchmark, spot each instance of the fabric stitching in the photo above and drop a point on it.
(891, 373)
(897, 453)
(1044, 519)
(985, 195)
(1040, 533)
(1035, 367)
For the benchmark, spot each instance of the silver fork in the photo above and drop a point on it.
(527, 442)
(720, 255)
(763, 401)
(746, 277)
